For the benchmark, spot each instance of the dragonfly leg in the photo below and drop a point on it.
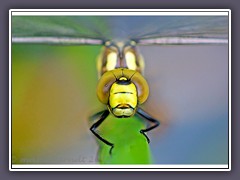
(146, 116)
(93, 128)
(96, 115)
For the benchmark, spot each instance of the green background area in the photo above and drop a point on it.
(53, 94)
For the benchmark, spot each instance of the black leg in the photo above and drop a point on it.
(103, 116)
(149, 118)
(96, 115)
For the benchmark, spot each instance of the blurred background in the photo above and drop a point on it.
(54, 93)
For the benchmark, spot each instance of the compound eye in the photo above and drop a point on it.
(131, 60)
(142, 87)
(104, 85)
(111, 61)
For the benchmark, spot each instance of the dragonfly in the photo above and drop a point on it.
(122, 86)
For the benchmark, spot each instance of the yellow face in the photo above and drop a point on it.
(123, 98)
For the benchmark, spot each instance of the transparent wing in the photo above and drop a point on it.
(143, 29)
(58, 29)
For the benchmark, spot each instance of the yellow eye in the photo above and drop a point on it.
(131, 60)
(111, 61)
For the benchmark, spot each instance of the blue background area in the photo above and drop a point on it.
(189, 94)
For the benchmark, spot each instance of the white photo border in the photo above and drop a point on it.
(119, 12)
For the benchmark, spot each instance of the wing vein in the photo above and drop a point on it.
(57, 40)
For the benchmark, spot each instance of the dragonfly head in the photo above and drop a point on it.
(122, 90)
